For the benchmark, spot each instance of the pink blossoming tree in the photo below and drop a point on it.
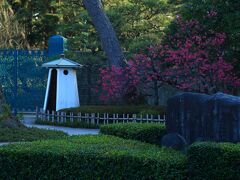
(192, 60)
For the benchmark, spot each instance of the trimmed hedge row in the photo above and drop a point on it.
(90, 157)
(145, 132)
(214, 161)
(206, 160)
(109, 157)
(154, 110)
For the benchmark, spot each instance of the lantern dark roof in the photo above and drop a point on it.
(62, 63)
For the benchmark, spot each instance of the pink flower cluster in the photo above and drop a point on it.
(211, 13)
(116, 82)
(192, 60)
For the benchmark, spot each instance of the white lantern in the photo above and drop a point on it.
(62, 87)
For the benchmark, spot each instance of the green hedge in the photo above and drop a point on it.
(90, 157)
(28, 134)
(155, 110)
(145, 132)
(214, 161)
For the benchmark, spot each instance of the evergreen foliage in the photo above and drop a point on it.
(90, 157)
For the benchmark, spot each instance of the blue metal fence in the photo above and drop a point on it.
(22, 79)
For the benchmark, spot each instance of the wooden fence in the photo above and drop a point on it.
(98, 118)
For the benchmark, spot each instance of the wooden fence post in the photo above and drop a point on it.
(87, 117)
(71, 117)
(98, 118)
(62, 114)
(65, 117)
(117, 118)
(37, 113)
(48, 116)
(114, 118)
(41, 116)
(141, 118)
(53, 116)
(107, 118)
(58, 118)
(79, 118)
(93, 118)
(127, 118)
(104, 118)
(134, 117)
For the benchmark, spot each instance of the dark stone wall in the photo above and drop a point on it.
(222, 118)
(202, 117)
(184, 115)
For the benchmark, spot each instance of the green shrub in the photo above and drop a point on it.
(6, 112)
(28, 134)
(214, 161)
(155, 110)
(145, 132)
(90, 157)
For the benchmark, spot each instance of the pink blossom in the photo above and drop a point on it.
(192, 60)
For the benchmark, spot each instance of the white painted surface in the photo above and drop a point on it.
(47, 89)
(67, 89)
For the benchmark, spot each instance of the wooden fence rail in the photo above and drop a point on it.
(98, 118)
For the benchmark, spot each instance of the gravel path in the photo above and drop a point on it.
(68, 130)
(2, 144)
(29, 121)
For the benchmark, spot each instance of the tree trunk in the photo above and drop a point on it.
(106, 32)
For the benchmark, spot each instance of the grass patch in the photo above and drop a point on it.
(88, 157)
(28, 134)
(145, 132)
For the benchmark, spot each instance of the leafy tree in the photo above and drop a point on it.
(137, 24)
(83, 41)
(106, 32)
(227, 20)
(192, 60)
(38, 18)
(12, 34)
